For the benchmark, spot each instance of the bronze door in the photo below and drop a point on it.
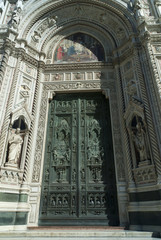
(79, 185)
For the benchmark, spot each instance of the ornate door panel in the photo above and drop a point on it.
(79, 178)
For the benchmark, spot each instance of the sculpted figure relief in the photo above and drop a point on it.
(15, 145)
(139, 9)
(142, 10)
(61, 151)
(15, 19)
(140, 142)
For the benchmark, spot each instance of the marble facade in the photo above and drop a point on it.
(128, 75)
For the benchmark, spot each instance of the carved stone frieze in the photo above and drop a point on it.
(77, 66)
(76, 86)
(145, 174)
(11, 176)
(78, 76)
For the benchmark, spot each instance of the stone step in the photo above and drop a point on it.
(76, 234)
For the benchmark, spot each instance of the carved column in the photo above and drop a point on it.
(33, 123)
(127, 152)
(33, 158)
(118, 155)
(5, 79)
(6, 54)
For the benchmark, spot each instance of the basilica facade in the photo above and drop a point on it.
(80, 116)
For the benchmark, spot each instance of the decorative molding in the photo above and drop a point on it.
(76, 66)
(11, 176)
(114, 7)
(22, 111)
(145, 174)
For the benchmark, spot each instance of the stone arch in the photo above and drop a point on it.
(117, 14)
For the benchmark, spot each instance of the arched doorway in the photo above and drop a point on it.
(78, 69)
(79, 184)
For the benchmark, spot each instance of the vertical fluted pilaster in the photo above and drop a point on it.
(4, 64)
(32, 127)
(127, 152)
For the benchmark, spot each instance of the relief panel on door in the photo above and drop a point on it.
(79, 178)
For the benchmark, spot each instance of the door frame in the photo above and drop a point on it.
(48, 90)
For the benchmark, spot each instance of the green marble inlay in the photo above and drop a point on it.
(13, 197)
(145, 218)
(13, 218)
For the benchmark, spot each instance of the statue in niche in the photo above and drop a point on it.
(140, 142)
(15, 145)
